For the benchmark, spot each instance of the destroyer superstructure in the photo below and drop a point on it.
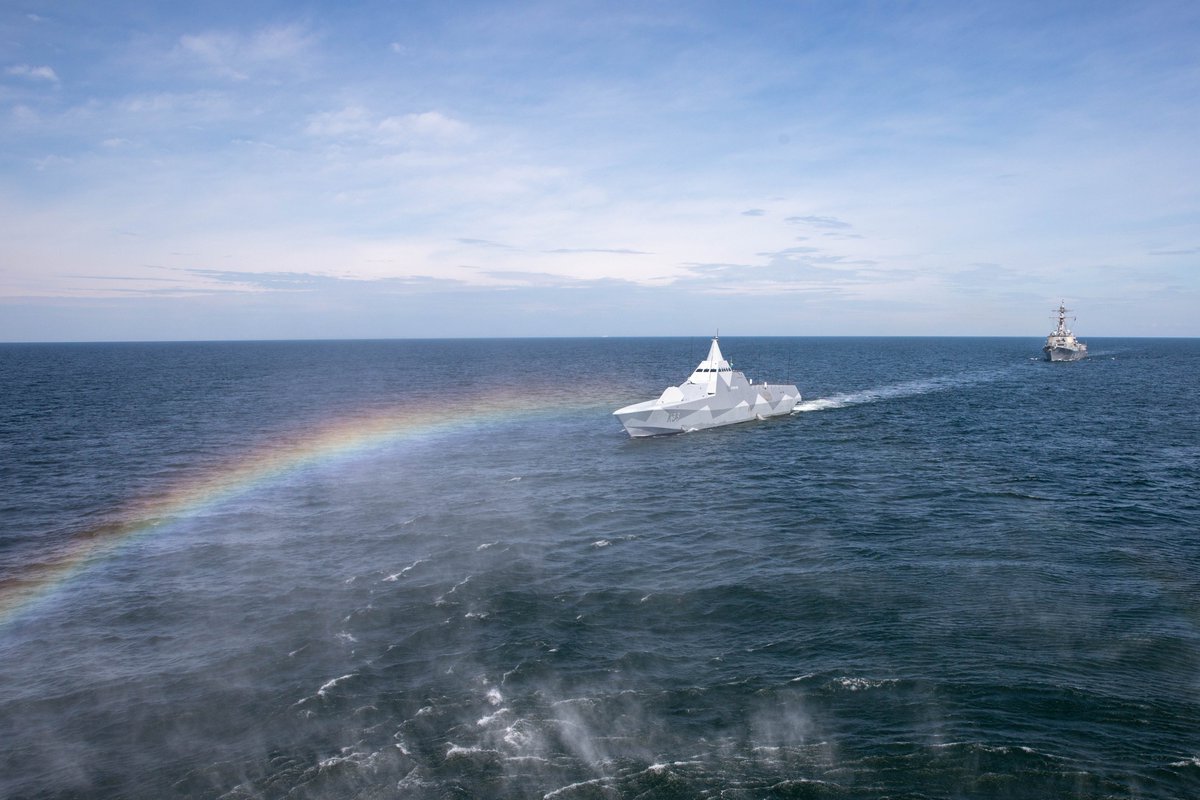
(715, 394)
(1061, 344)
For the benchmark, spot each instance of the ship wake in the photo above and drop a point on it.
(898, 391)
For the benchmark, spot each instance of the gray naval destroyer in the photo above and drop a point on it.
(715, 394)
(1061, 344)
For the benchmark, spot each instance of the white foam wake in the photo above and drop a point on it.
(898, 390)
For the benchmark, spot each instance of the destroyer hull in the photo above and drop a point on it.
(1064, 353)
(1061, 344)
(656, 418)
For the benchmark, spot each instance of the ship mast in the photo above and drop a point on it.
(1062, 318)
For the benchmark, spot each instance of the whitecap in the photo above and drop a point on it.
(413, 780)
(353, 757)
(660, 768)
(601, 543)
(442, 600)
(790, 783)
(529, 759)
(330, 684)
(458, 751)
(396, 575)
(571, 787)
(519, 737)
(488, 719)
(861, 684)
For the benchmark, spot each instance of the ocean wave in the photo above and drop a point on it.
(594, 783)
(324, 690)
(961, 595)
(395, 576)
(862, 684)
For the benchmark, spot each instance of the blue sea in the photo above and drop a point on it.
(441, 569)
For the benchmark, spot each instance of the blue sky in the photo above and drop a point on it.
(410, 169)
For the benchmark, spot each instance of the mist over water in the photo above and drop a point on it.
(956, 571)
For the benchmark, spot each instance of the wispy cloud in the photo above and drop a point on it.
(485, 243)
(619, 251)
(172, 105)
(793, 270)
(312, 282)
(651, 159)
(818, 221)
(33, 73)
(513, 278)
(130, 278)
(357, 122)
(236, 55)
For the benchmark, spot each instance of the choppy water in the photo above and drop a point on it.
(956, 571)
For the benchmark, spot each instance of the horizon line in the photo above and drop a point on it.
(553, 337)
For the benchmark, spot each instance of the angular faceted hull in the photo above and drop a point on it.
(655, 417)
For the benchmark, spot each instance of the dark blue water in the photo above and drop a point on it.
(957, 571)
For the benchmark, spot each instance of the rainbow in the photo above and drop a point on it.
(352, 434)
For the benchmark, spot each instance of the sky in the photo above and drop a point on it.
(295, 170)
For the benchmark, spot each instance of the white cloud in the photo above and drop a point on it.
(278, 43)
(428, 125)
(171, 102)
(349, 121)
(609, 156)
(52, 161)
(237, 56)
(33, 73)
(356, 122)
(25, 115)
(819, 222)
(217, 50)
